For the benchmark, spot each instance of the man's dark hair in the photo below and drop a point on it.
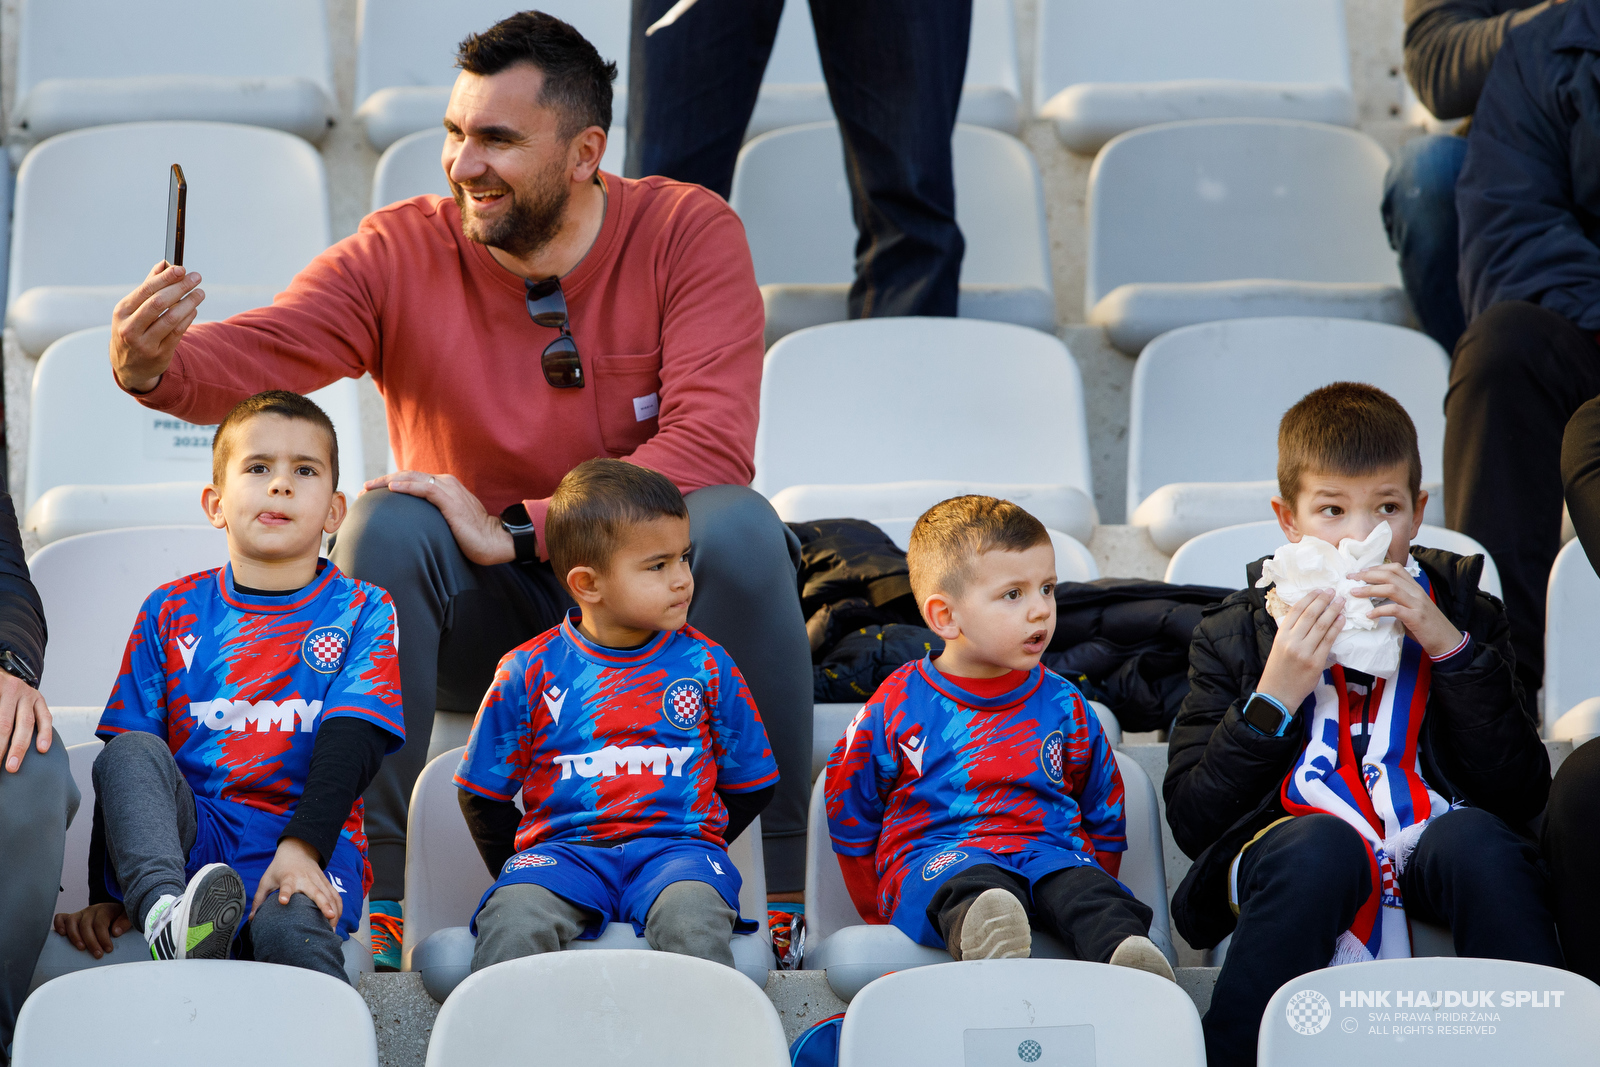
(577, 82)
(272, 402)
(595, 504)
(1346, 428)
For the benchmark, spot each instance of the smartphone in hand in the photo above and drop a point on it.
(177, 205)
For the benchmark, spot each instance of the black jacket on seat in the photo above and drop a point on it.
(1479, 742)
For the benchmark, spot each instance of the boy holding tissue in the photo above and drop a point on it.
(1355, 750)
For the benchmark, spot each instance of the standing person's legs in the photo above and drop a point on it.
(692, 87)
(1520, 372)
(150, 818)
(37, 803)
(894, 70)
(1300, 886)
(1419, 211)
(746, 600)
(455, 619)
(1572, 854)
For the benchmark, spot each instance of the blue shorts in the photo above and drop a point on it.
(246, 839)
(927, 871)
(621, 882)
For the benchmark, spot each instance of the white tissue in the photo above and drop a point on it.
(1297, 570)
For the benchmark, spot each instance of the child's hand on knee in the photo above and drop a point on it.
(296, 869)
(92, 929)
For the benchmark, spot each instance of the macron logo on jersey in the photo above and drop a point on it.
(256, 716)
(186, 646)
(914, 750)
(613, 760)
(553, 701)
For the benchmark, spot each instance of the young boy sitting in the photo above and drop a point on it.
(630, 735)
(975, 794)
(255, 703)
(1324, 806)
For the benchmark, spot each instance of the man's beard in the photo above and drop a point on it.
(532, 223)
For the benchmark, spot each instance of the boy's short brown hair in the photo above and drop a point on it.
(950, 536)
(272, 402)
(1346, 428)
(595, 503)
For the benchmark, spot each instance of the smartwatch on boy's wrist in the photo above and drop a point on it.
(1265, 715)
(519, 525)
(17, 667)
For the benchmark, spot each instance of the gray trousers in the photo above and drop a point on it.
(689, 918)
(36, 805)
(456, 619)
(151, 825)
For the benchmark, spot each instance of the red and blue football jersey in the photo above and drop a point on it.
(927, 765)
(609, 744)
(237, 685)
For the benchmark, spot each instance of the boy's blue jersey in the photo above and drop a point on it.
(927, 766)
(237, 685)
(609, 745)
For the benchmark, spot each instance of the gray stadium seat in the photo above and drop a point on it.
(445, 879)
(1571, 636)
(607, 1008)
(789, 188)
(1022, 1011)
(1372, 1013)
(854, 954)
(1206, 401)
(87, 63)
(1104, 69)
(156, 1014)
(412, 167)
(257, 214)
(1230, 219)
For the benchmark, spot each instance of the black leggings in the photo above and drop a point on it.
(1084, 907)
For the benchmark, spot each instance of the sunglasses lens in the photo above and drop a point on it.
(562, 368)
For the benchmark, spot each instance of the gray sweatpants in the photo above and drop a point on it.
(151, 825)
(456, 619)
(37, 803)
(689, 918)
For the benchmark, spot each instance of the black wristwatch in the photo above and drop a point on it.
(1265, 715)
(523, 537)
(16, 666)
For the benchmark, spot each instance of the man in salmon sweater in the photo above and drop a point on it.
(545, 315)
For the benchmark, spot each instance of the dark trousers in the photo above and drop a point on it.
(1520, 373)
(1083, 907)
(1419, 211)
(1572, 854)
(894, 70)
(1302, 883)
(456, 620)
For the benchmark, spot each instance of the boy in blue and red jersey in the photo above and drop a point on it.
(975, 794)
(630, 735)
(254, 705)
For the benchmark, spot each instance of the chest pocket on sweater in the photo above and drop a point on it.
(622, 385)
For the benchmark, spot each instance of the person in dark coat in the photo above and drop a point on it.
(1291, 880)
(1529, 201)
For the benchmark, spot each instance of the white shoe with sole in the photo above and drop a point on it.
(1141, 954)
(200, 924)
(995, 927)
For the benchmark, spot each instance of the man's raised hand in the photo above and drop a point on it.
(148, 323)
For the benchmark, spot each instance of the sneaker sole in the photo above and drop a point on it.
(1141, 954)
(996, 928)
(216, 898)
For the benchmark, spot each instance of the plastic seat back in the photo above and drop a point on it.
(74, 894)
(1571, 633)
(412, 167)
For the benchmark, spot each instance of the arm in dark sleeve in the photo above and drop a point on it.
(493, 826)
(743, 809)
(1450, 46)
(346, 756)
(22, 628)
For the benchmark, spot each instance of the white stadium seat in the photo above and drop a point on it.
(607, 1008)
(1398, 1013)
(257, 213)
(1207, 399)
(1229, 219)
(1104, 69)
(1571, 636)
(445, 879)
(1074, 563)
(406, 54)
(1060, 507)
(1007, 402)
(412, 167)
(1220, 556)
(789, 189)
(92, 586)
(87, 63)
(1022, 1011)
(154, 1014)
(98, 459)
(793, 92)
(854, 954)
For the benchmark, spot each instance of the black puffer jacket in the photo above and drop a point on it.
(1479, 742)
